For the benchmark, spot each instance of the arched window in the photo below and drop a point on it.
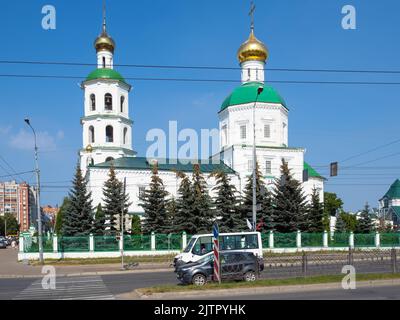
(104, 62)
(108, 101)
(122, 103)
(109, 134)
(125, 134)
(109, 159)
(91, 134)
(92, 102)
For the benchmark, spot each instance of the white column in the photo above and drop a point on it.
(377, 239)
(351, 240)
(21, 244)
(55, 243)
(325, 239)
(153, 241)
(120, 243)
(184, 240)
(91, 243)
(298, 239)
(271, 239)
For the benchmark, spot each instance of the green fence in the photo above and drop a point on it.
(106, 243)
(137, 242)
(32, 244)
(364, 240)
(390, 240)
(336, 240)
(73, 244)
(265, 240)
(168, 241)
(285, 240)
(312, 239)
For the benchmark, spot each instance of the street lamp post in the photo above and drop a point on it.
(40, 240)
(259, 91)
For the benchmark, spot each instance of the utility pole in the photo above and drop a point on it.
(122, 228)
(259, 90)
(40, 240)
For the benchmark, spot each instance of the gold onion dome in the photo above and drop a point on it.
(104, 42)
(252, 49)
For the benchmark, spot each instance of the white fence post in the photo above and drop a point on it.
(325, 239)
(271, 239)
(377, 239)
(120, 243)
(55, 243)
(184, 240)
(21, 244)
(298, 239)
(153, 241)
(91, 243)
(351, 239)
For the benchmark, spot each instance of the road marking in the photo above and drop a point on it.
(71, 288)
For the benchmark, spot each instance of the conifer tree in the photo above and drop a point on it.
(202, 204)
(289, 210)
(136, 226)
(99, 222)
(340, 226)
(115, 201)
(365, 224)
(226, 204)
(78, 219)
(61, 213)
(171, 207)
(153, 201)
(315, 214)
(185, 219)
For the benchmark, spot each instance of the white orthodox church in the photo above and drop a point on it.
(107, 130)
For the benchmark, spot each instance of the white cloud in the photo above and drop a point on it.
(4, 130)
(24, 140)
(60, 135)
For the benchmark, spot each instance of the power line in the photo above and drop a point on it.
(19, 173)
(155, 66)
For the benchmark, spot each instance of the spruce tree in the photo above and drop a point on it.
(365, 224)
(153, 201)
(315, 214)
(136, 225)
(99, 222)
(115, 201)
(171, 207)
(226, 204)
(77, 220)
(185, 220)
(202, 204)
(61, 213)
(340, 226)
(289, 210)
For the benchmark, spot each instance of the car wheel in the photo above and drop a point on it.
(199, 279)
(250, 276)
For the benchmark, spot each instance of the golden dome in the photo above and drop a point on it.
(89, 148)
(104, 43)
(252, 49)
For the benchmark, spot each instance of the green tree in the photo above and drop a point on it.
(185, 219)
(171, 207)
(61, 213)
(78, 219)
(350, 221)
(136, 226)
(289, 210)
(263, 207)
(365, 223)
(332, 203)
(315, 214)
(226, 204)
(153, 201)
(12, 224)
(202, 204)
(99, 223)
(340, 226)
(116, 201)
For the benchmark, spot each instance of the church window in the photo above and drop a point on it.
(267, 131)
(109, 159)
(257, 74)
(224, 135)
(108, 101)
(122, 103)
(243, 132)
(104, 62)
(109, 134)
(268, 167)
(142, 191)
(93, 102)
(91, 134)
(125, 135)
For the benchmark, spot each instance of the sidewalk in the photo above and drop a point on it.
(10, 268)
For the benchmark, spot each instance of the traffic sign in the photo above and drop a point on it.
(217, 264)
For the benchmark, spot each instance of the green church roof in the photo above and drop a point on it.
(105, 73)
(141, 163)
(247, 93)
(312, 172)
(394, 191)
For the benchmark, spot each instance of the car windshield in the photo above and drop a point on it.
(190, 244)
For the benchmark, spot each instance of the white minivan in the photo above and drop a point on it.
(202, 244)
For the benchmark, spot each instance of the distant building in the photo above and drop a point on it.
(389, 205)
(16, 198)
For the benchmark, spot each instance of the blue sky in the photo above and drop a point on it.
(333, 122)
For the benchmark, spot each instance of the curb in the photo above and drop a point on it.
(94, 273)
(259, 290)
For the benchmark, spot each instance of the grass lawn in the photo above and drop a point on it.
(267, 283)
